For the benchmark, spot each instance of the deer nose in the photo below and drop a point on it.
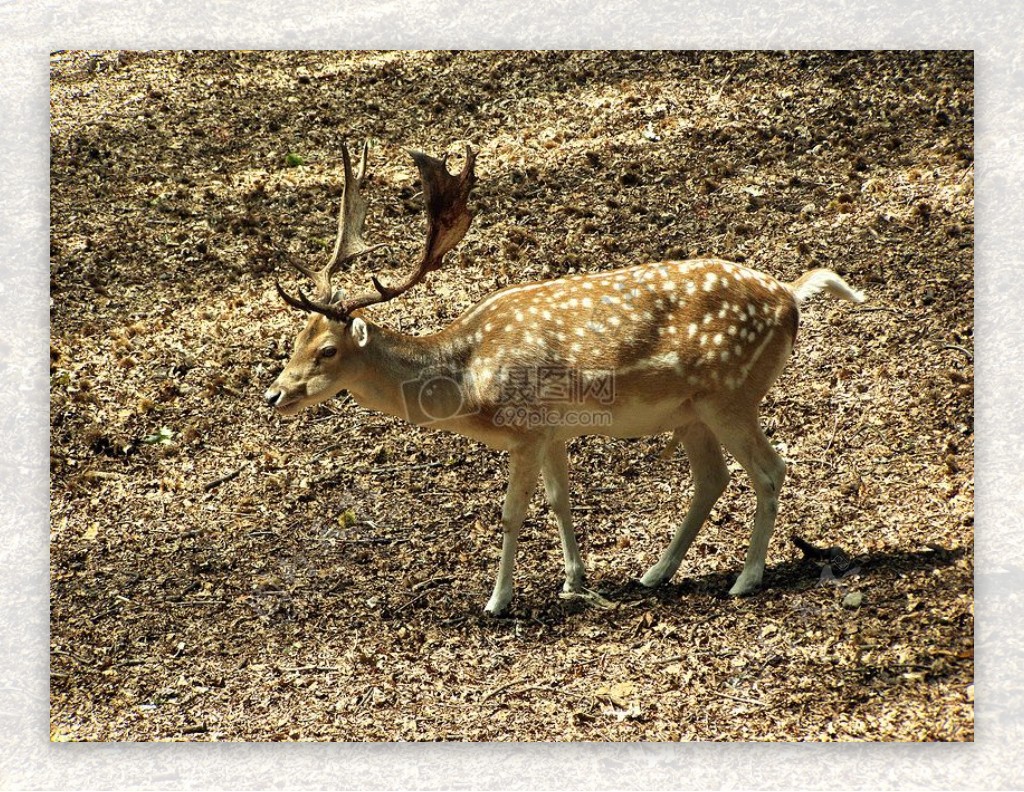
(272, 397)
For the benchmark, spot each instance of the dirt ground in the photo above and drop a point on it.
(220, 573)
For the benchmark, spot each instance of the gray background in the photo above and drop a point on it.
(31, 29)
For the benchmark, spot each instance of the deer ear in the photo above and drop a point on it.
(360, 332)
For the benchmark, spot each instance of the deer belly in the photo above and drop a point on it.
(639, 418)
(622, 418)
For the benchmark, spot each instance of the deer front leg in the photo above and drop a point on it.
(556, 488)
(524, 465)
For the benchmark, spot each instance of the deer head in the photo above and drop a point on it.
(328, 351)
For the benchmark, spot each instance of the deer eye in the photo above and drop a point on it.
(328, 352)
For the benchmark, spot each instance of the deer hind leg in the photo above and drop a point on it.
(710, 477)
(524, 465)
(556, 487)
(742, 436)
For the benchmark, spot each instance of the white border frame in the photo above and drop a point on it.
(34, 27)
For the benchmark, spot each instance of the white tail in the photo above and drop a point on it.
(818, 280)
(688, 347)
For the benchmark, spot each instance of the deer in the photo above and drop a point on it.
(683, 347)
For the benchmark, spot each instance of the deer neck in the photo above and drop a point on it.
(397, 364)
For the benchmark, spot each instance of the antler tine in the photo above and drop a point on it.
(303, 303)
(448, 219)
(361, 173)
(349, 241)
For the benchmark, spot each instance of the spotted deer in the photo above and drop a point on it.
(687, 347)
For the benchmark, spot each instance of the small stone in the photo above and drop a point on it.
(853, 600)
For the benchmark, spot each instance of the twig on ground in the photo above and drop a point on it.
(223, 479)
(64, 653)
(501, 689)
(417, 598)
(966, 352)
(590, 596)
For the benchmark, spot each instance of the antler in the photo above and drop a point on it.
(448, 219)
(348, 244)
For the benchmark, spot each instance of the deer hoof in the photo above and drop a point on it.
(745, 586)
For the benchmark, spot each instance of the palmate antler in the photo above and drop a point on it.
(448, 219)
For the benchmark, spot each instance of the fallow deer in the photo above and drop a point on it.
(687, 347)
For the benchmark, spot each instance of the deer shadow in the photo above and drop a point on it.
(780, 580)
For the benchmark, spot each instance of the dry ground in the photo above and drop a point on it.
(221, 574)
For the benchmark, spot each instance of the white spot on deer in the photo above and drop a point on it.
(671, 329)
(488, 327)
(732, 330)
(614, 321)
(588, 285)
(703, 339)
(709, 281)
(580, 332)
(546, 315)
(707, 319)
(586, 302)
(668, 286)
(693, 379)
(738, 349)
(508, 328)
(519, 316)
(718, 338)
(725, 354)
(693, 330)
(576, 347)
